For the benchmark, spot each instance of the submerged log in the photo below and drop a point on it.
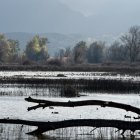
(48, 126)
(46, 103)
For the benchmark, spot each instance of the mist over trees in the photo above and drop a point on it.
(117, 52)
(125, 49)
(79, 52)
(95, 52)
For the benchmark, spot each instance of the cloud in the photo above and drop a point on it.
(98, 7)
(66, 16)
(86, 7)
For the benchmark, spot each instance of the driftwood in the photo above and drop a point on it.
(95, 123)
(48, 126)
(46, 103)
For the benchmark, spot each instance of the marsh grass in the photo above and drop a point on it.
(79, 85)
(69, 91)
(65, 87)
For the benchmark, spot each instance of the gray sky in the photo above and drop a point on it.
(94, 17)
(86, 7)
(93, 7)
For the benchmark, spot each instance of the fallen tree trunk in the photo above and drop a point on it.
(46, 103)
(48, 126)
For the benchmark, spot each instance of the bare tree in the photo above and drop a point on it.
(68, 52)
(95, 52)
(61, 54)
(131, 41)
(79, 52)
(117, 52)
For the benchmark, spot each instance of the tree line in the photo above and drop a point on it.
(125, 49)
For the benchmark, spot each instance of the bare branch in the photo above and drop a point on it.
(46, 103)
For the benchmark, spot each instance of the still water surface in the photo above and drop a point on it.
(13, 106)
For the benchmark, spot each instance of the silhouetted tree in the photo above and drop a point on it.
(131, 41)
(61, 54)
(117, 52)
(95, 52)
(79, 52)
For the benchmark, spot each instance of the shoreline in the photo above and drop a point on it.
(119, 68)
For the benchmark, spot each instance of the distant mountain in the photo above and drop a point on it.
(23, 38)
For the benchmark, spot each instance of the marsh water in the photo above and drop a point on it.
(13, 106)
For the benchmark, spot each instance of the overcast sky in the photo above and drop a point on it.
(69, 16)
(86, 7)
(93, 7)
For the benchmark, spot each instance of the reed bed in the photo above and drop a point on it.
(82, 85)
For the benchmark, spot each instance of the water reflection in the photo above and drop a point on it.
(18, 132)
